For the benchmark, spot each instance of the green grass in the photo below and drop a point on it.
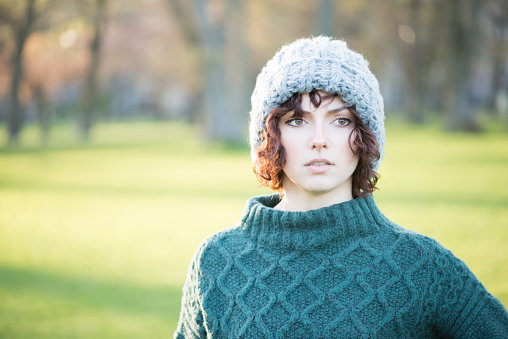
(95, 239)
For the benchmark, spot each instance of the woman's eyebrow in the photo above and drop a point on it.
(339, 109)
(332, 111)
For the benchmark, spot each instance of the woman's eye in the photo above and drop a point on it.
(343, 121)
(295, 122)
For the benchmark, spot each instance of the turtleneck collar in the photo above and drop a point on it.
(301, 230)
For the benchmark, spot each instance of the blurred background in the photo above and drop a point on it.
(123, 142)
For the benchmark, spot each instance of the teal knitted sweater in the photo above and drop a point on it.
(343, 271)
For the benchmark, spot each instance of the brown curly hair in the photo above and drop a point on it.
(271, 155)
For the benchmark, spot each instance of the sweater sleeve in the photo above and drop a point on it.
(490, 322)
(191, 323)
(462, 307)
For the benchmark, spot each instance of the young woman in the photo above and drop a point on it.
(319, 260)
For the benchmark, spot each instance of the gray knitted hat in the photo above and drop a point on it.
(318, 63)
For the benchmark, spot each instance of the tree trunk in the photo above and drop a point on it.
(15, 117)
(215, 106)
(464, 29)
(87, 117)
(239, 80)
(411, 57)
(499, 82)
(325, 18)
(43, 113)
(217, 32)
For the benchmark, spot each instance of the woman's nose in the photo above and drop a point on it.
(318, 139)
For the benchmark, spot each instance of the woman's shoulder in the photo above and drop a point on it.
(225, 238)
(412, 246)
(220, 246)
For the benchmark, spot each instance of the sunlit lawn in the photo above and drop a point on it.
(95, 239)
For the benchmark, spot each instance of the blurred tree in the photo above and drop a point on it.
(411, 36)
(89, 97)
(216, 30)
(497, 11)
(43, 112)
(447, 56)
(325, 18)
(463, 21)
(21, 26)
(33, 63)
(434, 69)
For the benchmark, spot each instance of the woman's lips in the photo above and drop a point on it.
(318, 166)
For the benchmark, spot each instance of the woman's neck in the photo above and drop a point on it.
(305, 201)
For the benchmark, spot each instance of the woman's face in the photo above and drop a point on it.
(319, 161)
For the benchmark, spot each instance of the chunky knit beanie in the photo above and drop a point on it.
(318, 63)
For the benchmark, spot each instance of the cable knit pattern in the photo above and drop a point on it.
(343, 271)
(318, 63)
